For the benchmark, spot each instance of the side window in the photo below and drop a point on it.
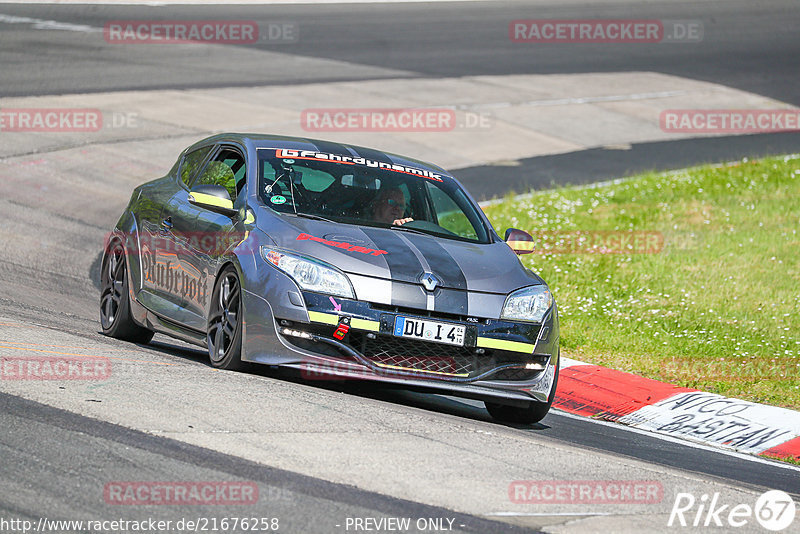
(191, 164)
(449, 214)
(226, 169)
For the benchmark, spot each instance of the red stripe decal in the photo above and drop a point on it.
(595, 391)
(790, 448)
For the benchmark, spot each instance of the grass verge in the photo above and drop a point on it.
(707, 296)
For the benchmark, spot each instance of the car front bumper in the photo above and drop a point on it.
(512, 361)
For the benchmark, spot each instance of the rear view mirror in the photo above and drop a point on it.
(520, 241)
(213, 197)
(360, 181)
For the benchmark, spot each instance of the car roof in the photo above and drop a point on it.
(318, 145)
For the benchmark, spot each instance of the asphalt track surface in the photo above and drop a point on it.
(59, 445)
(746, 45)
(752, 46)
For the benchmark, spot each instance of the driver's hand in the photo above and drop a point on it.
(401, 222)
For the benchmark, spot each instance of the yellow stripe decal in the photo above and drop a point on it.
(325, 318)
(364, 324)
(516, 346)
(331, 318)
(521, 245)
(211, 200)
(399, 368)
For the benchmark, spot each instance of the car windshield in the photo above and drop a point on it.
(367, 193)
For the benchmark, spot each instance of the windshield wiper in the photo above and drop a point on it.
(412, 230)
(311, 216)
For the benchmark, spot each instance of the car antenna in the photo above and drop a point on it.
(290, 172)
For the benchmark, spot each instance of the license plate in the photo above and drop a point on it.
(451, 334)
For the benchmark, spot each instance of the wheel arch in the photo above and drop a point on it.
(126, 232)
(227, 262)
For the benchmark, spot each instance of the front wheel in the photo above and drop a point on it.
(224, 338)
(534, 413)
(115, 305)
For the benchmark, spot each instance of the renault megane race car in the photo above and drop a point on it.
(337, 260)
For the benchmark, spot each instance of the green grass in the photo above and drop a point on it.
(717, 308)
(787, 459)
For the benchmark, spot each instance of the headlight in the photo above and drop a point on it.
(528, 304)
(309, 274)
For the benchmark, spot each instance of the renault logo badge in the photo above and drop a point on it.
(429, 281)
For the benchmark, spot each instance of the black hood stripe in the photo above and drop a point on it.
(409, 296)
(372, 154)
(451, 301)
(403, 267)
(453, 296)
(441, 262)
(331, 148)
(403, 264)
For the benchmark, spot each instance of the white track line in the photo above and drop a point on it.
(44, 24)
(162, 3)
(575, 100)
(545, 514)
(672, 439)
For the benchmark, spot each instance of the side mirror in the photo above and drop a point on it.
(213, 197)
(520, 241)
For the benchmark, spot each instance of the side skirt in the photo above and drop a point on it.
(167, 327)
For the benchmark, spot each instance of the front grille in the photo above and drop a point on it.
(421, 356)
(437, 359)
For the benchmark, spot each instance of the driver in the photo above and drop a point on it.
(389, 207)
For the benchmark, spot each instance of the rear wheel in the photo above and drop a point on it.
(115, 306)
(224, 338)
(534, 413)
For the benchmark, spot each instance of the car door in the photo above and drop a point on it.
(162, 253)
(201, 236)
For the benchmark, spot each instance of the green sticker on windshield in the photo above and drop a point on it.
(277, 199)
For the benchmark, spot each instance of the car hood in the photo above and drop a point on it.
(401, 256)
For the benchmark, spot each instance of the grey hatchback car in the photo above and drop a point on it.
(340, 261)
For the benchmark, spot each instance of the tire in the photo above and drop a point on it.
(534, 413)
(224, 333)
(115, 304)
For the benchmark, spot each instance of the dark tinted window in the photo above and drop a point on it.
(363, 193)
(226, 169)
(449, 215)
(191, 164)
